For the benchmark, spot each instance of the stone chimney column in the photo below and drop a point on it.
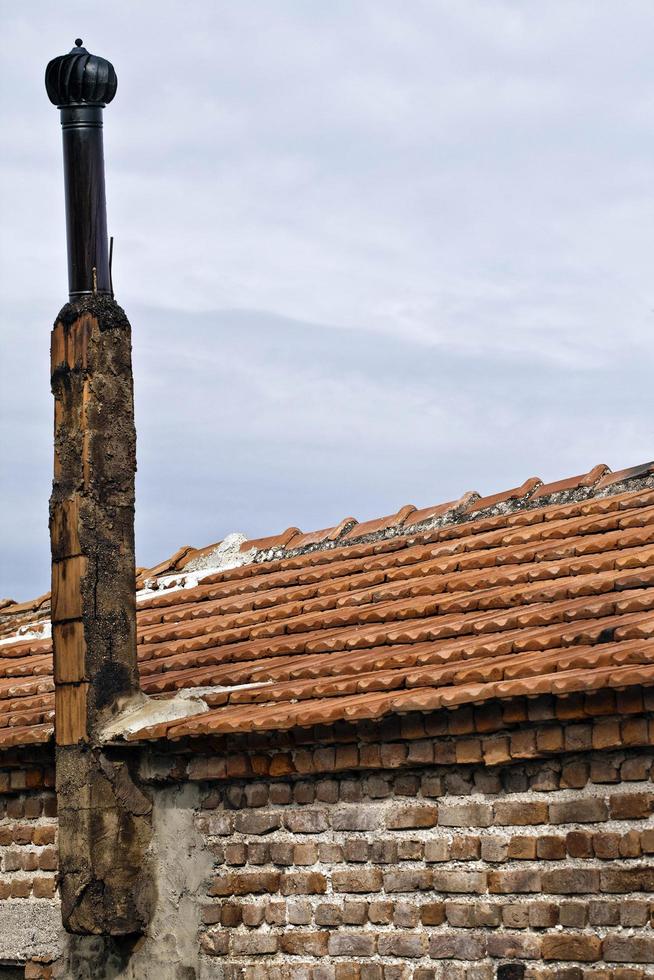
(104, 817)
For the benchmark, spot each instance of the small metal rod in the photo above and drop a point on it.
(95, 280)
(111, 260)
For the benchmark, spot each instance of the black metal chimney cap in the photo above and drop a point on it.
(80, 78)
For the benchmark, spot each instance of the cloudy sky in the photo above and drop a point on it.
(373, 252)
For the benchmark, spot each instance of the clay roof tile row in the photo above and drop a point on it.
(545, 588)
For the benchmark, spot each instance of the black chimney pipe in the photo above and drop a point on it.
(80, 85)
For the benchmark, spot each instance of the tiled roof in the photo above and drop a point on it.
(541, 589)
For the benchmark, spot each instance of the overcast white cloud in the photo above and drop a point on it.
(373, 252)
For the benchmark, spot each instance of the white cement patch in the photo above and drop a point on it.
(152, 712)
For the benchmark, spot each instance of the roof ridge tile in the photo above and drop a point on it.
(582, 481)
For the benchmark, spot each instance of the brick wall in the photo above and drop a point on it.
(29, 909)
(538, 870)
(28, 830)
(542, 869)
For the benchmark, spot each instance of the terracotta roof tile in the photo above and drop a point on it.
(381, 523)
(572, 483)
(193, 554)
(169, 565)
(33, 605)
(634, 472)
(540, 589)
(304, 540)
(275, 541)
(441, 510)
(482, 503)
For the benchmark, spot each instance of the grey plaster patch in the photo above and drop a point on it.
(182, 864)
(30, 929)
(213, 969)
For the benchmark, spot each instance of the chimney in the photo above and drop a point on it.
(80, 85)
(104, 816)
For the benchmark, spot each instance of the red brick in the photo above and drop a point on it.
(431, 914)
(408, 945)
(303, 883)
(305, 854)
(523, 745)
(470, 882)
(515, 916)
(247, 883)
(21, 888)
(634, 731)
(299, 943)
(461, 721)
(48, 859)
(571, 881)
(520, 813)
(253, 943)
(543, 915)
(472, 915)
(256, 822)
(306, 821)
(550, 739)
(401, 880)
(44, 888)
(357, 881)
(502, 945)
(574, 775)
(606, 734)
(393, 755)
(456, 945)
(412, 817)
(522, 849)
(579, 844)
(496, 750)
(468, 750)
(509, 882)
(590, 810)
(629, 949)
(551, 848)
(631, 806)
(44, 835)
(620, 880)
(465, 815)
(578, 738)
(572, 946)
(630, 844)
(606, 846)
(464, 848)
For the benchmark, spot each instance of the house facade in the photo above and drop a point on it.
(420, 748)
(414, 748)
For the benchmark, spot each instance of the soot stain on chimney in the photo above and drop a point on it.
(105, 309)
(110, 682)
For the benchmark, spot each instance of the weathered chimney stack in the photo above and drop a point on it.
(104, 817)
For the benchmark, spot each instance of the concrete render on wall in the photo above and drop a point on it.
(30, 929)
(182, 864)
